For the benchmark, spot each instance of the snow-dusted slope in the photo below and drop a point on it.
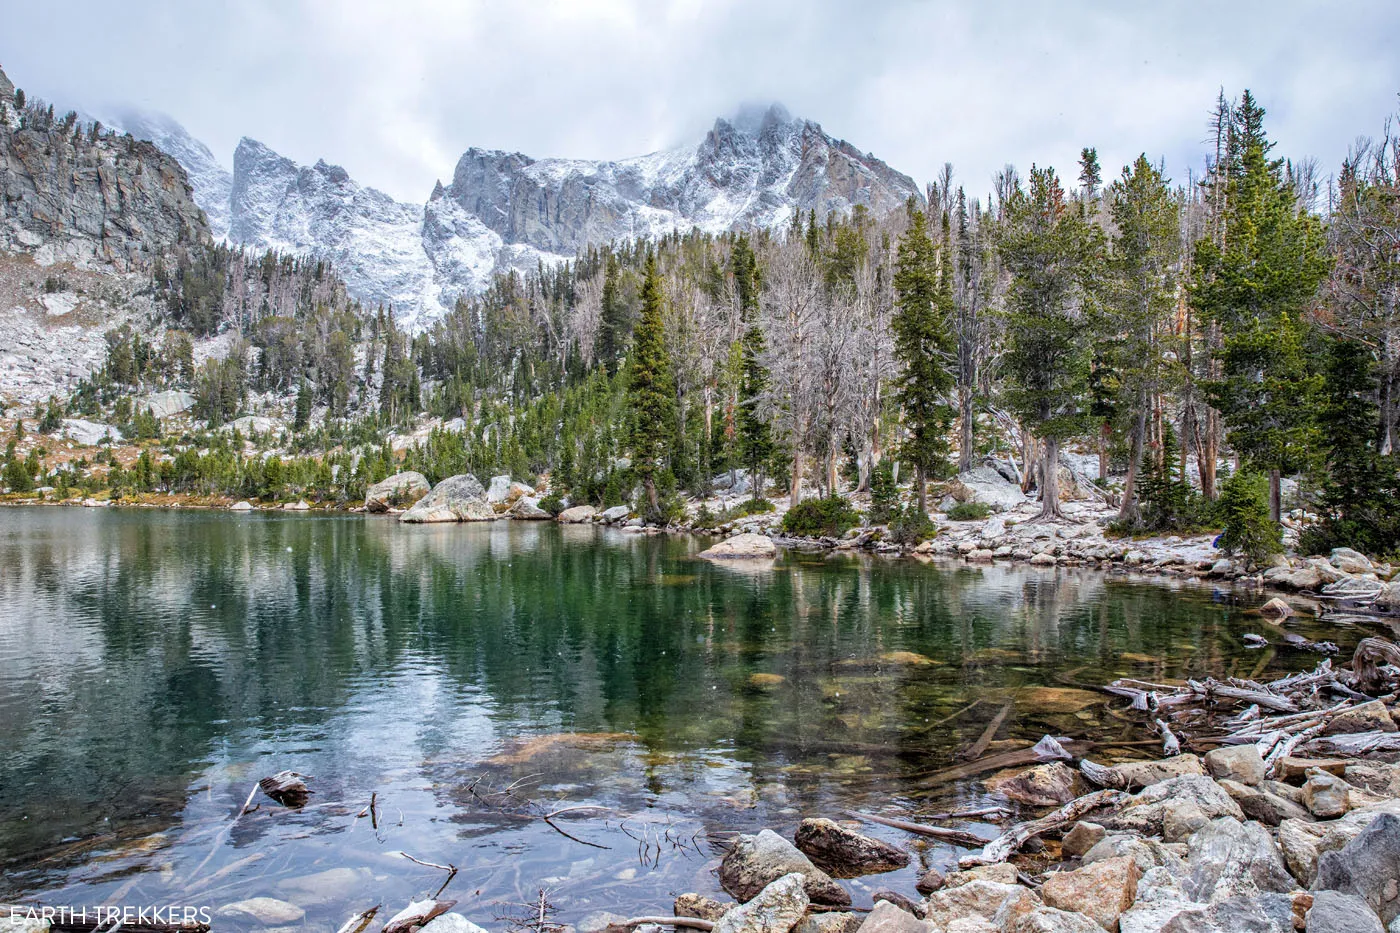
(374, 241)
(506, 210)
(210, 180)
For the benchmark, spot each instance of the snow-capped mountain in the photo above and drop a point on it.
(505, 210)
(210, 180)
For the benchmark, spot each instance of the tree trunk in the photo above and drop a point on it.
(795, 487)
(831, 468)
(1275, 496)
(968, 423)
(921, 488)
(1128, 510)
(1050, 481)
(649, 484)
(1105, 432)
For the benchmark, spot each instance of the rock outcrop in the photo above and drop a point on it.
(456, 499)
(398, 491)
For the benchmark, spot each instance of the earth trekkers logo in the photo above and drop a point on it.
(150, 916)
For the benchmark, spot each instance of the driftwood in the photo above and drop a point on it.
(979, 748)
(357, 923)
(1171, 745)
(694, 923)
(955, 836)
(1102, 775)
(287, 788)
(1358, 743)
(1005, 845)
(417, 914)
(1369, 661)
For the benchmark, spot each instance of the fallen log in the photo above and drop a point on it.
(956, 836)
(1355, 744)
(1369, 664)
(357, 923)
(287, 788)
(1005, 845)
(694, 923)
(979, 748)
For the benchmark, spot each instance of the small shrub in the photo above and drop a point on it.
(750, 507)
(1244, 510)
(704, 518)
(910, 526)
(832, 516)
(969, 512)
(552, 504)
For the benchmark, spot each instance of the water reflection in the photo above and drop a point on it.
(154, 664)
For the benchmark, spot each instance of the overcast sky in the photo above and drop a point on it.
(395, 91)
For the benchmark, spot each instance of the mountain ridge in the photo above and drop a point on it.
(505, 210)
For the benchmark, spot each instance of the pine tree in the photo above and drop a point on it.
(651, 393)
(303, 409)
(1052, 254)
(1142, 292)
(923, 346)
(612, 322)
(1256, 288)
(755, 434)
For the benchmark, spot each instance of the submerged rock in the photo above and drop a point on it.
(398, 491)
(844, 853)
(756, 861)
(267, 911)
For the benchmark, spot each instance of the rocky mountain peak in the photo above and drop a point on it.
(209, 178)
(7, 87)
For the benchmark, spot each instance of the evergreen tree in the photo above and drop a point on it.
(1256, 288)
(303, 409)
(612, 319)
(651, 393)
(755, 434)
(923, 346)
(1244, 510)
(1052, 254)
(1142, 293)
(1361, 494)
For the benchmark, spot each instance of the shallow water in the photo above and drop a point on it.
(472, 678)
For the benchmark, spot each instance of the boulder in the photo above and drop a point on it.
(1298, 844)
(1367, 717)
(1045, 785)
(1146, 773)
(973, 924)
(1336, 912)
(301, 505)
(89, 433)
(456, 499)
(1147, 853)
(1146, 812)
(700, 907)
(165, 404)
(776, 908)
(1368, 866)
(830, 921)
(746, 546)
(398, 491)
(1378, 778)
(756, 861)
(844, 853)
(617, 513)
(1102, 890)
(527, 509)
(1348, 561)
(986, 485)
(1001, 872)
(1260, 804)
(498, 490)
(1052, 920)
(1265, 913)
(1241, 763)
(1181, 819)
(885, 917)
(1082, 837)
(1358, 588)
(266, 911)
(905, 904)
(1300, 578)
(577, 514)
(1276, 609)
(990, 900)
(241, 506)
(1326, 795)
(1230, 858)
(1159, 899)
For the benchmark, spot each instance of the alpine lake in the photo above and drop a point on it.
(445, 688)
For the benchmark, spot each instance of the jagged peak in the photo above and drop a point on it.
(757, 119)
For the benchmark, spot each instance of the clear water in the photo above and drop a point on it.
(154, 664)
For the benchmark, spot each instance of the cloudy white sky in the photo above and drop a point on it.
(395, 91)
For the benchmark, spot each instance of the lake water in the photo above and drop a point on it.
(154, 665)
